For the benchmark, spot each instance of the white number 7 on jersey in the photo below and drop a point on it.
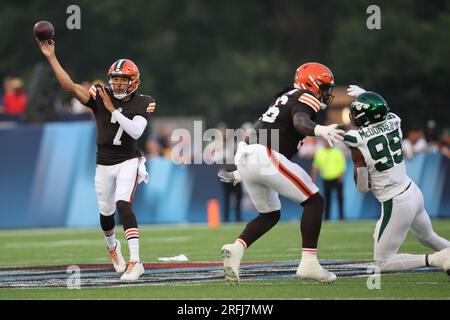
(119, 133)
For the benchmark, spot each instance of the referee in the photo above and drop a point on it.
(330, 163)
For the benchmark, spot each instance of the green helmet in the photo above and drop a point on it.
(368, 108)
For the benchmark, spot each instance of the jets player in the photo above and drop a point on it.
(378, 166)
(121, 117)
(267, 171)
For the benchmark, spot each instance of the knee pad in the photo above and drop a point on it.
(107, 222)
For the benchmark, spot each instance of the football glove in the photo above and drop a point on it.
(330, 133)
(354, 91)
(229, 177)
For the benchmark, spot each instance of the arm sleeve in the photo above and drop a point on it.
(362, 180)
(302, 116)
(134, 127)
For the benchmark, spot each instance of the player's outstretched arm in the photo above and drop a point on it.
(78, 91)
(304, 125)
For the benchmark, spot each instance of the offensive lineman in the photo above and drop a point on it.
(378, 166)
(121, 117)
(267, 172)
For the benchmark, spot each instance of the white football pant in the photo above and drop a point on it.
(400, 214)
(266, 173)
(114, 183)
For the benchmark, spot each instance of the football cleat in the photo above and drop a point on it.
(231, 256)
(134, 271)
(314, 271)
(441, 259)
(117, 258)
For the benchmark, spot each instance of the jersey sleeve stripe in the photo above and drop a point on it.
(93, 92)
(310, 96)
(350, 140)
(312, 99)
(310, 102)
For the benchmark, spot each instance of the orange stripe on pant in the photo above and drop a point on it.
(135, 184)
(291, 176)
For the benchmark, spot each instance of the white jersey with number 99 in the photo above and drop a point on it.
(381, 146)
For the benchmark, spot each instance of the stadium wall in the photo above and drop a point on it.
(47, 180)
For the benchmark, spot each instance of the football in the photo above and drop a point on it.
(43, 30)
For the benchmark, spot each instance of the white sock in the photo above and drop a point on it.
(132, 236)
(309, 255)
(110, 237)
(240, 243)
(133, 244)
(241, 246)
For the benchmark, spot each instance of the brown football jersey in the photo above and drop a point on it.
(114, 145)
(279, 117)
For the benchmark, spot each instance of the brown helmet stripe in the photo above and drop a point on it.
(119, 64)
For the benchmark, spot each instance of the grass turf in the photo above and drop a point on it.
(339, 240)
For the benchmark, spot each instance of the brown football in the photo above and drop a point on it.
(43, 30)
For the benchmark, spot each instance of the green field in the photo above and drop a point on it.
(339, 240)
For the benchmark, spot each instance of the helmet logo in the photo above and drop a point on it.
(360, 105)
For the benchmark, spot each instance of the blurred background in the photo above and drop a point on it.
(219, 62)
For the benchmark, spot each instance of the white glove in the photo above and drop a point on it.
(229, 177)
(330, 133)
(354, 91)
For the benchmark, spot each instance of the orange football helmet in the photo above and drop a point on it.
(316, 78)
(127, 69)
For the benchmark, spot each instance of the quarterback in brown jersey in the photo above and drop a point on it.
(265, 168)
(121, 115)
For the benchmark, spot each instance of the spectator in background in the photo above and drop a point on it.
(414, 143)
(153, 147)
(310, 146)
(330, 163)
(2, 107)
(224, 155)
(432, 136)
(445, 143)
(15, 98)
(164, 137)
